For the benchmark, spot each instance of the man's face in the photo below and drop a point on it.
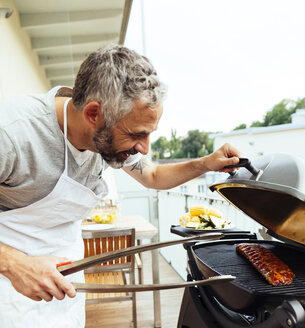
(129, 136)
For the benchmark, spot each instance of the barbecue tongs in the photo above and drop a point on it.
(79, 265)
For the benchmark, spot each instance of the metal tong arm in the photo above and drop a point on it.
(98, 288)
(100, 258)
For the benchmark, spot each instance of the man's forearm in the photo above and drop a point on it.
(8, 256)
(172, 175)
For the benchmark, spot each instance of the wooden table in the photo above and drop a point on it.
(145, 230)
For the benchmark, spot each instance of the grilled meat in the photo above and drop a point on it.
(271, 267)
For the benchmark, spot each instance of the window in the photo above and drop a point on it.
(201, 189)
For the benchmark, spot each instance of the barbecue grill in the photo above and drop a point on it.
(271, 190)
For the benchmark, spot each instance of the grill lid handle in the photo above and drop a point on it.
(244, 162)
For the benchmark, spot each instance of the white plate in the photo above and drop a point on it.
(227, 228)
(97, 227)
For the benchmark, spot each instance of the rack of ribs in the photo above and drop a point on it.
(271, 267)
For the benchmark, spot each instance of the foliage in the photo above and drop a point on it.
(192, 143)
(256, 124)
(160, 146)
(240, 127)
(281, 112)
(195, 144)
(198, 144)
(174, 144)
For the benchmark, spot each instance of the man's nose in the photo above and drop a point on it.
(143, 145)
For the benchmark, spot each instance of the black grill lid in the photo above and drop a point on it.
(271, 190)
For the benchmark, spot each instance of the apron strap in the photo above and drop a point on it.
(65, 134)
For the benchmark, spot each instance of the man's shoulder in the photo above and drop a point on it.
(18, 108)
(25, 106)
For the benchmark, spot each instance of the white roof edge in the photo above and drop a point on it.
(261, 129)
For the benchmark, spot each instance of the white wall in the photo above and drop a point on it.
(191, 186)
(19, 67)
(134, 199)
(253, 145)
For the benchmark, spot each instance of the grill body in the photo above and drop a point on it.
(249, 301)
(271, 190)
(249, 290)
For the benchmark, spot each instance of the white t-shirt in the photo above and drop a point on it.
(32, 152)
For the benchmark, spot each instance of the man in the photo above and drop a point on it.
(53, 152)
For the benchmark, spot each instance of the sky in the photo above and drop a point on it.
(225, 62)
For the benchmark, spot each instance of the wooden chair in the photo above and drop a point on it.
(114, 271)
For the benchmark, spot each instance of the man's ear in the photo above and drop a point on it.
(93, 115)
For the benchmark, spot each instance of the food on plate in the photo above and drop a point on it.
(203, 217)
(214, 212)
(101, 217)
(185, 219)
(199, 210)
(271, 267)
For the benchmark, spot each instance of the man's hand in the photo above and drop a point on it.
(37, 276)
(225, 155)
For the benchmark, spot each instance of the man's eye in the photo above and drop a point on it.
(138, 136)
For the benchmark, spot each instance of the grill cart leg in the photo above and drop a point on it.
(193, 314)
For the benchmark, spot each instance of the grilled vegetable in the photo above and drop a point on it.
(214, 212)
(193, 225)
(203, 217)
(198, 210)
(271, 267)
(184, 219)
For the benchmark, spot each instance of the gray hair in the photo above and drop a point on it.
(116, 77)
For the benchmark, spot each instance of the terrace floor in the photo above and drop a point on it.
(118, 314)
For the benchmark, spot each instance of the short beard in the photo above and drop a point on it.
(103, 140)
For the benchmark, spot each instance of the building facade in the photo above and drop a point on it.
(257, 141)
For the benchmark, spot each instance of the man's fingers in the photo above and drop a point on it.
(230, 150)
(70, 291)
(42, 296)
(232, 161)
(56, 292)
(36, 298)
(46, 296)
(48, 292)
(66, 287)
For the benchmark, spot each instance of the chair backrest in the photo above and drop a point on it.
(97, 242)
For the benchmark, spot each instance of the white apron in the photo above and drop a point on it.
(50, 226)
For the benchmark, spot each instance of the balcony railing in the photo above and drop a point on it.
(164, 208)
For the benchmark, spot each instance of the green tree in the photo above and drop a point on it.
(300, 104)
(279, 114)
(193, 143)
(240, 127)
(174, 144)
(208, 144)
(256, 124)
(160, 147)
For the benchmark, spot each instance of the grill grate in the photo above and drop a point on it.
(223, 259)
